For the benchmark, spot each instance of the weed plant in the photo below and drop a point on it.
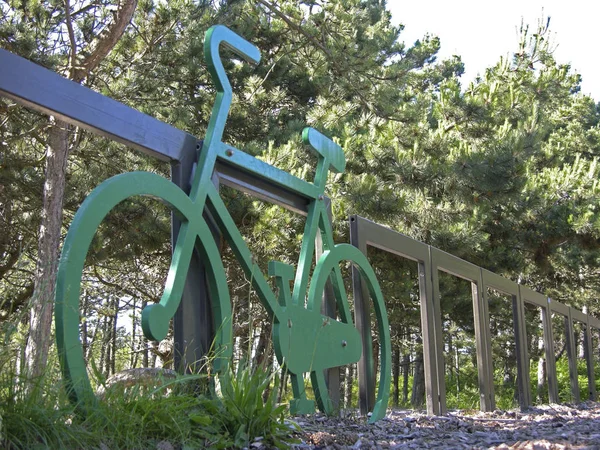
(241, 414)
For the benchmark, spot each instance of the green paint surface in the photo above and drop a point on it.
(305, 341)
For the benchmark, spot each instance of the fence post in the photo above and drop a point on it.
(483, 346)
(520, 329)
(572, 355)
(549, 348)
(589, 358)
(328, 308)
(362, 317)
(430, 368)
(438, 334)
(193, 328)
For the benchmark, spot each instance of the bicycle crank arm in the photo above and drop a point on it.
(308, 341)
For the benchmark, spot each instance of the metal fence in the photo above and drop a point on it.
(430, 260)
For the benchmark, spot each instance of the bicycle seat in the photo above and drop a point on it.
(329, 150)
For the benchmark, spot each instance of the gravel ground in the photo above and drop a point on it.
(543, 427)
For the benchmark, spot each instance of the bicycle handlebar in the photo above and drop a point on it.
(217, 35)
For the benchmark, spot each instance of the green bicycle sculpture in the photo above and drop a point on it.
(305, 341)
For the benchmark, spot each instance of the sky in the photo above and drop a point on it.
(481, 31)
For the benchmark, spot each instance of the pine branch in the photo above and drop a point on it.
(108, 39)
(124, 289)
(296, 27)
(73, 53)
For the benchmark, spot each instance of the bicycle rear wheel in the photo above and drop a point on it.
(194, 232)
(328, 268)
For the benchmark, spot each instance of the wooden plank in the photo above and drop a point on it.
(391, 241)
(433, 372)
(498, 283)
(593, 322)
(388, 240)
(49, 93)
(488, 337)
(365, 233)
(578, 315)
(454, 265)
(506, 286)
(537, 299)
(533, 297)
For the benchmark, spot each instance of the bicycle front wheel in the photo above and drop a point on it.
(328, 268)
(194, 232)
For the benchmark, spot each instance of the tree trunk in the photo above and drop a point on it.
(268, 367)
(541, 372)
(579, 343)
(42, 302)
(349, 381)
(457, 367)
(102, 344)
(263, 351)
(450, 352)
(150, 362)
(107, 345)
(396, 374)
(580, 337)
(57, 151)
(418, 390)
(113, 353)
(282, 385)
(405, 373)
(134, 345)
(90, 348)
(144, 342)
(375, 355)
(84, 325)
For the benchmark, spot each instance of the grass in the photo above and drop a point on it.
(37, 419)
(173, 411)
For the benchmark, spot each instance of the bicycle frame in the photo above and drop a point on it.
(290, 307)
(204, 195)
(214, 149)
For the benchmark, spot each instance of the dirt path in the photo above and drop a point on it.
(543, 427)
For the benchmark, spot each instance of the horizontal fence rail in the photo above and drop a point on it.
(364, 234)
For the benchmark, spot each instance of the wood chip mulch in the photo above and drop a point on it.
(547, 427)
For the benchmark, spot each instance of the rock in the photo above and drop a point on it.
(164, 445)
